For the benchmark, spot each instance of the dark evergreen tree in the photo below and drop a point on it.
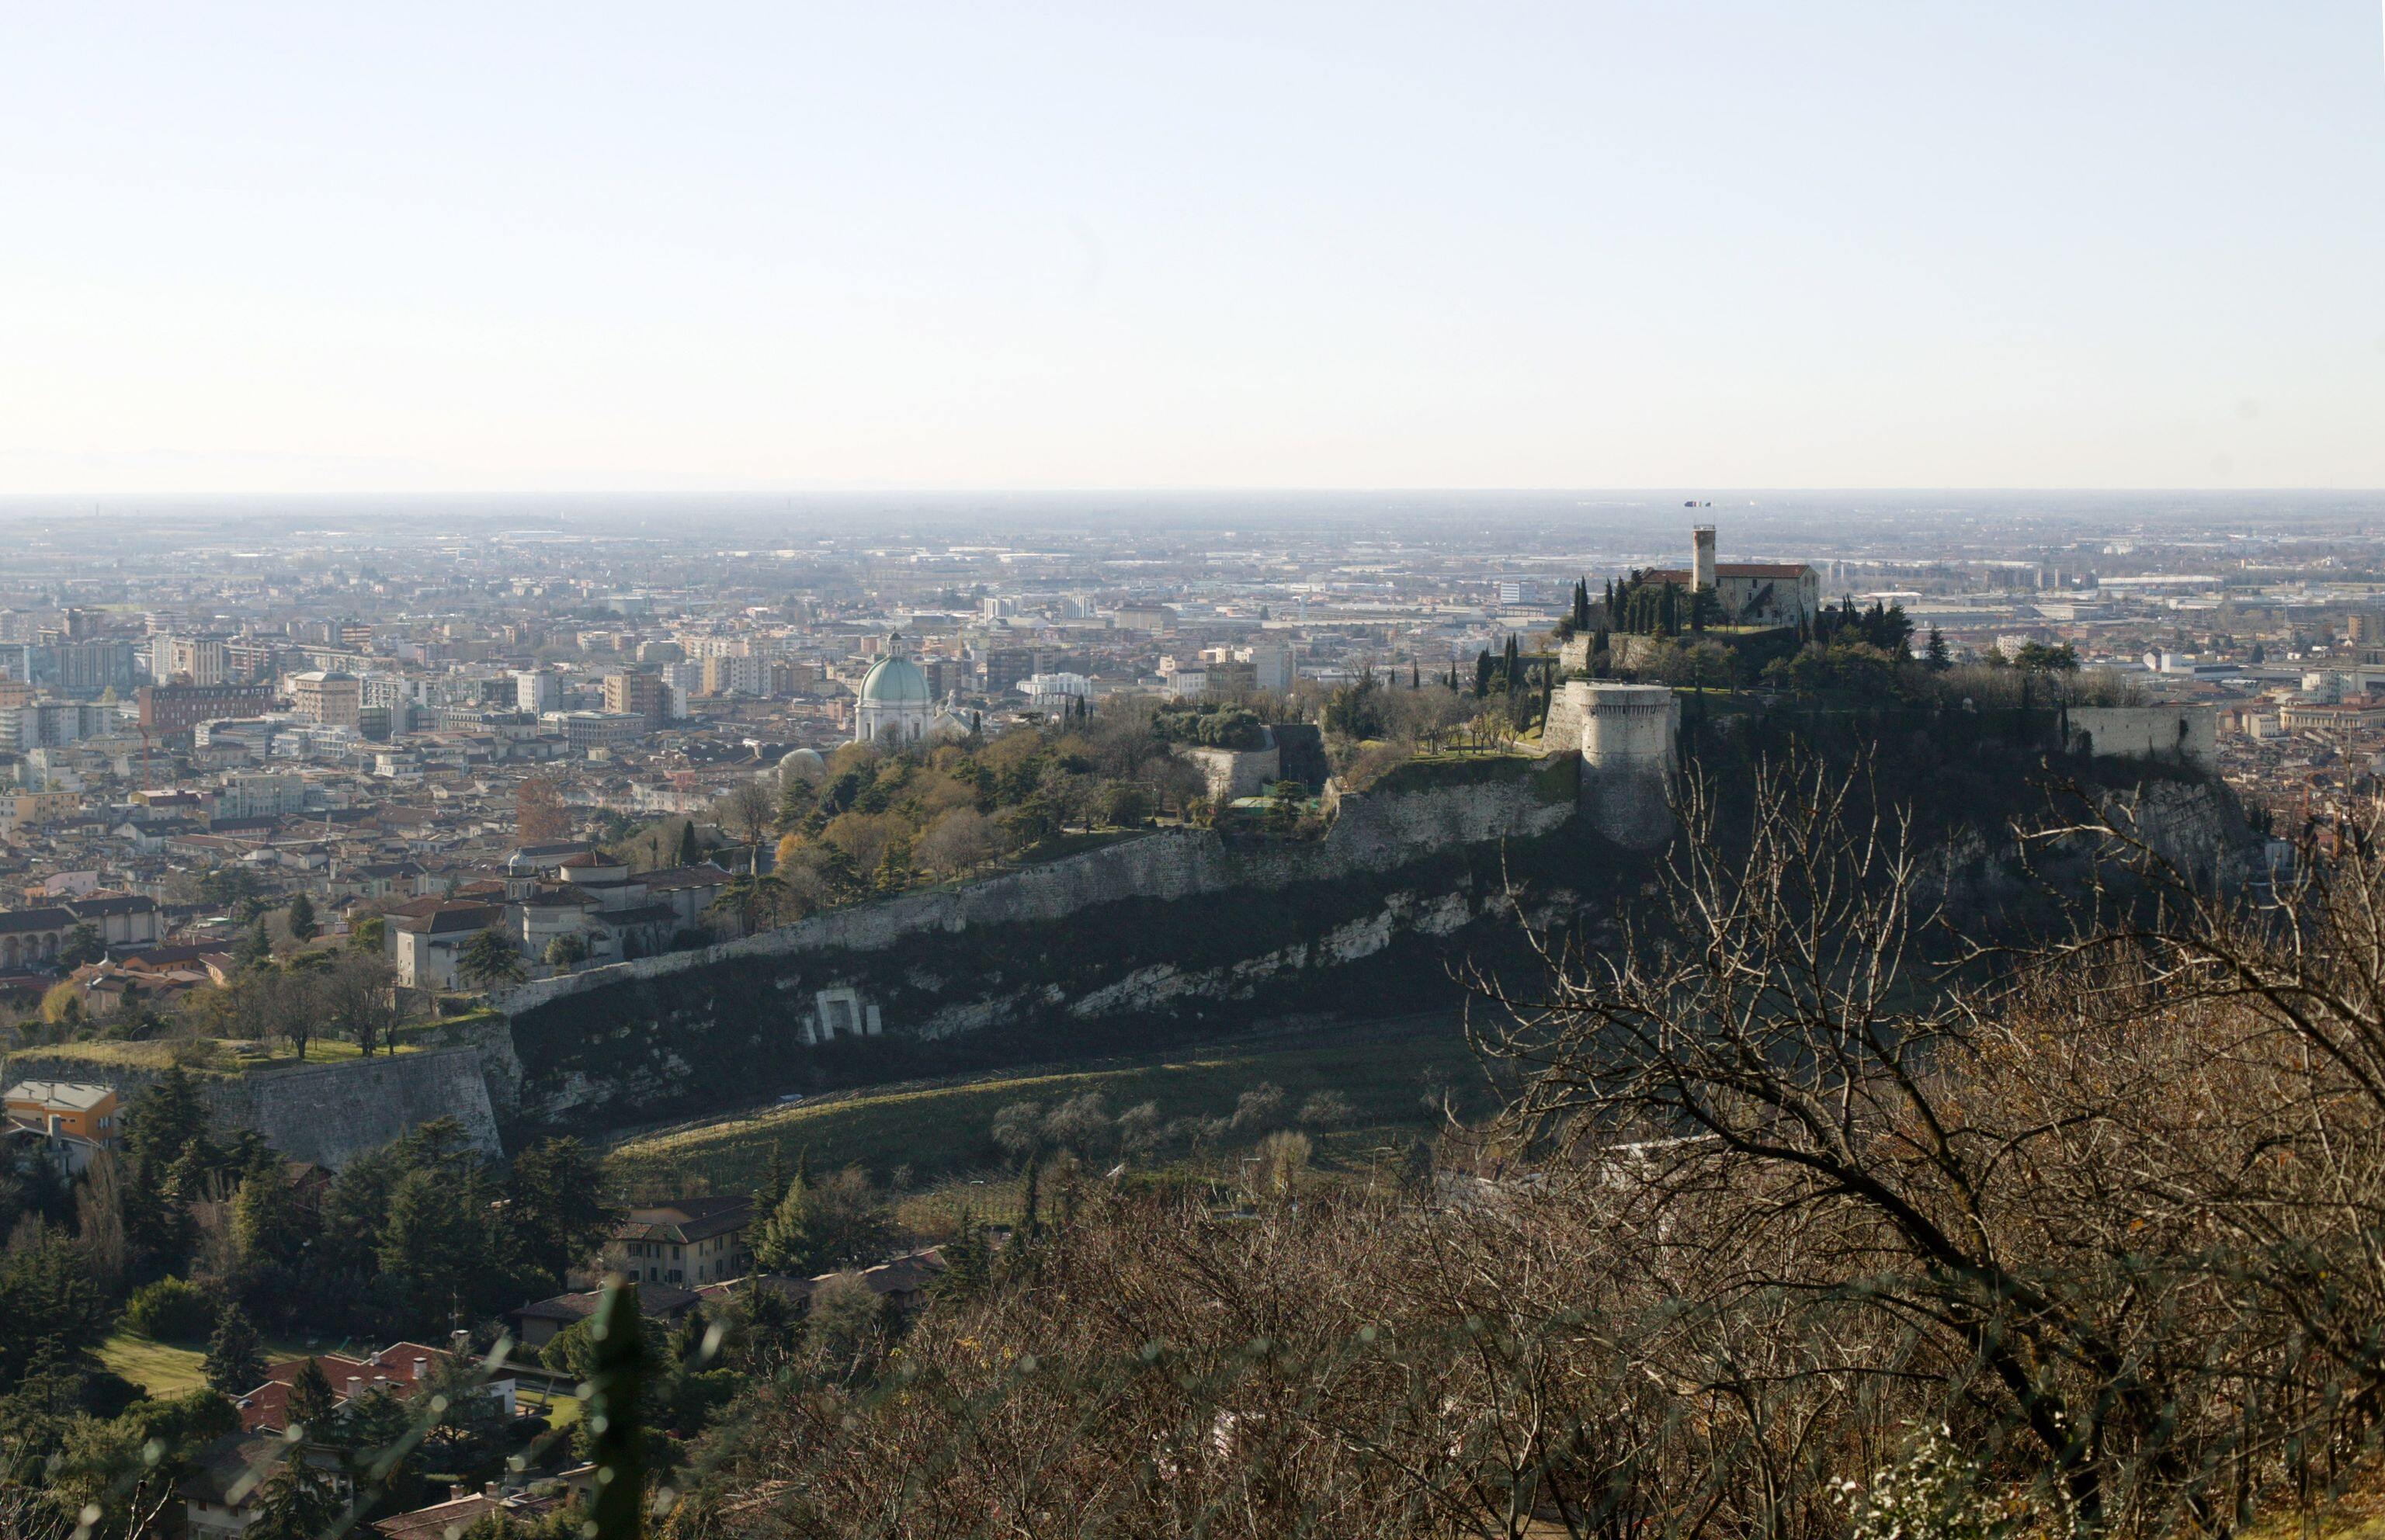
(235, 1362)
(255, 949)
(313, 1403)
(775, 1177)
(303, 928)
(555, 1212)
(298, 1501)
(968, 1259)
(163, 1122)
(615, 1412)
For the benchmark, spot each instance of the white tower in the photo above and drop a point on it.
(1701, 561)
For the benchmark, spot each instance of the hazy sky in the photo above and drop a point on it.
(1684, 243)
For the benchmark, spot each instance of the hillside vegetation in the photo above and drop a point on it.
(1388, 1073)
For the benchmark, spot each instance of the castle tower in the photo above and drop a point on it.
(1702, 559)
(1626, 735)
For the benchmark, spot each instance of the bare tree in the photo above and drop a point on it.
(1769, 1028)
(749, 810)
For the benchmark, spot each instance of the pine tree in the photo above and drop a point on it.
(312, 1401)
(297, 1502)
(1482, 674)
(301, 914)
(162, 1122)
(1030, 1218)
(968, 1259)
(689, 853)
(255, 949)
(1937, 653)
(785, 1241)
(618, 1440)
(775, 1177)
(234, 1366)
(265, 1222)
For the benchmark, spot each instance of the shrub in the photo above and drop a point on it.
(171, 1309)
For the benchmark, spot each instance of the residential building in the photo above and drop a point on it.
(598, 729)
(637, 695)
(221, 1499)
(178, 708)
(537, 691)
(30, 937)
(543, 1321)
(403, 1369)
(428, 937)
(688, 1243)
(331, 700)
(68, 1120)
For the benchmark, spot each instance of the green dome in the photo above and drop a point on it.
(894, 680)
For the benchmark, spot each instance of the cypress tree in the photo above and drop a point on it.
(616, 1444)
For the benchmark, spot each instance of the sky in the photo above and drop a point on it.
(341, 248)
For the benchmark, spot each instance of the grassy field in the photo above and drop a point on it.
(163, 1369)
(226, 1058)
(1384, 1069)
(160, 1367)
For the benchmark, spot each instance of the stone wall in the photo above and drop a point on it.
(1163, 937)
(1370, 834)
(2180, 734)
(1232, 772)
(331, 1114)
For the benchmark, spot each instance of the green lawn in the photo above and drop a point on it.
(163, 1369)
(160, 1367)
(1383, 1069)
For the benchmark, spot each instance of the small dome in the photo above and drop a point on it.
(803, 763)
(895, 681)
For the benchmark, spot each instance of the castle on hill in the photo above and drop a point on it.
(1746, 593)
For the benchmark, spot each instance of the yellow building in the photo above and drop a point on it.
(71, 1121)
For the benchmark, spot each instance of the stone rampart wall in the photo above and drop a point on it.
(2188, 733)
(331, 1114)
(1370, 834)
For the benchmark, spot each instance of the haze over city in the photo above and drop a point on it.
(472, 248)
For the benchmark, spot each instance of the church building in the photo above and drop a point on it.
(896, 708)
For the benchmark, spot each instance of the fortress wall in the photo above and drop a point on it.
(2188, 733)
(331, 1114)
(1370, 833)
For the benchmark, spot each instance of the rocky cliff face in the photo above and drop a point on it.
(1159, 938)
(1155, 936)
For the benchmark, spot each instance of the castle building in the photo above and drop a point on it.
(1749, 593)
(896, 707)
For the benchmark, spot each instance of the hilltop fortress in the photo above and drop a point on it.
(1748, 593)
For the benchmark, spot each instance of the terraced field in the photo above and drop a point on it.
(1385, 1069)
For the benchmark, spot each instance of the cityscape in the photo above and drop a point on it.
(929, 772)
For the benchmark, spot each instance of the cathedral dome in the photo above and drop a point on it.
(894, 680)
